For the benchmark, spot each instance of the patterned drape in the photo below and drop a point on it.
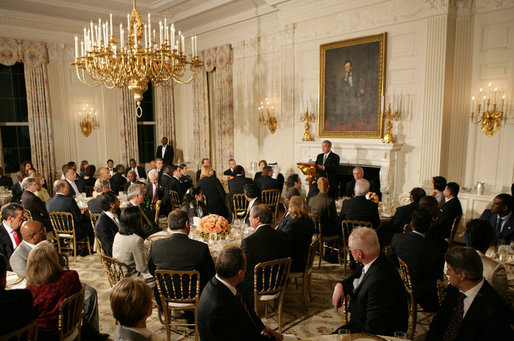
(165, 113)
(34, 57)
(128, 129)
(218, 60)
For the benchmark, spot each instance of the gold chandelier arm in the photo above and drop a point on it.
(83, 79)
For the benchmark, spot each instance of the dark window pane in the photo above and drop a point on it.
(147, 105)
(16, 147)
(146, 142)
(7, 110)
(13, 96)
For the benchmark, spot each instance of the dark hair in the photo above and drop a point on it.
(174, 168)
(229, 262)
(110, 160)
(183, 165)
(480, 234)
(417, 193)
(427, 202)
(166, 169)
(132, 160)
(231, 160)
(106, 199)
(190, 197)
(347, 61)
(177, 220)
(71, 163)
(1, 171)
(465, 260)
(506, 200)
(453, 188)
(291, 180)
(251, 190)
(82, 163)
(130, 299)
(239, 170)
(130, 220)
(9, 210)
(263, 212)
(439, 183)
(512, 189)
(421, 220)
(290, 192)
(119, 167)
(266, 170)
(263, 161)
(22, 166)
(65, 169)
(90, 170)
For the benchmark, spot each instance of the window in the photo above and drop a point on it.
(146, 128)
(14, 125)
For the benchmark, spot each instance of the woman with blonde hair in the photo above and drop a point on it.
(41, 193)
(299, 230)
(213, 191)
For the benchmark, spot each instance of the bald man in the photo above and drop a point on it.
(32, 232)
(105, 174)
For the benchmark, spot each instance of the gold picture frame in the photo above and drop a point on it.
(352, 84)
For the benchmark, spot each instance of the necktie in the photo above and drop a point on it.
(282, 218)
(498, 228)
(242, 302)
(324, 159)
(16, 238)
(154, 197)
(453, 327)
(357, 281)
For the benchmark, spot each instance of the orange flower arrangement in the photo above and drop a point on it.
(214, 223)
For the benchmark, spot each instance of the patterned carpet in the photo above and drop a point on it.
(318, 318)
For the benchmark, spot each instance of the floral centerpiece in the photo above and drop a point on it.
(214, 223)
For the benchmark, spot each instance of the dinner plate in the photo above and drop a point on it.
(366, 337)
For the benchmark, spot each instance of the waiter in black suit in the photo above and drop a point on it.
(34, 204)
(326, 165)
(165, 152)
(10, 235)
(472, 309)
(222, 305)
(140, 171)
(378, 300)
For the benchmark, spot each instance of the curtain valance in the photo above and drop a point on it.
(31, 53)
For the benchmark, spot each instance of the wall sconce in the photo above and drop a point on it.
(307, 118)
(88, 120)
(267, 115)
(391, 115)
(488, 117)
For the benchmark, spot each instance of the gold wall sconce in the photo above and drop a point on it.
(307, 118)
(88, 120)
(267, 115)
(391, 114)
(489, 114)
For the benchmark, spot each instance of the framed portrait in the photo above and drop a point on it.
(352, 78)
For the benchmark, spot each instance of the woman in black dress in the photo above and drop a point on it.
(193, 203)
(213, 191)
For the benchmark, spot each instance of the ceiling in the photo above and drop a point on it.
(187, 14)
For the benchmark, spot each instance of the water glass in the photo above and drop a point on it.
(400, 335)
(213, 236)
(344, 334)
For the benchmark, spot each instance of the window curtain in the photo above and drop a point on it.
(34, 56)
(165, 114)
(128, 129)
(219, 62)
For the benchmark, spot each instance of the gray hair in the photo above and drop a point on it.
(360, 169)
(9, 210)
(465, 260)
(153, 173)
(361, 187)
(27, 182)
(328, 142)
(134, 190)
(100, 184)
(59, 185)
(364, 239)
(131, 171)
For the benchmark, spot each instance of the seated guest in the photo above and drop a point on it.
(265, 244)
(429, 203)
(24, 169)
(265, 181)
(185, 179)
(128, 247)
(193, 203)
(170, 181)
(138, 170)
(5, 180)
(50, 285)
(501, 218)
(262, 164)
(33, 232)
(205, 162)
(159, 165)
(110, 167)
(107, 224)
(15, 304)
(10, 235)
(438, 186)
(222, 305)
(251, 193)
(237, 183)
(324, 206)
(378, 300)
(299, 230)
(42, 192)
(294, 180)
(213, 191)
(152, 187)
(73, 165)
(101, 186)
(76, 186)
(360, 208)
(132, 179)
(136, 195)
(424, 260)
(35, 205)
(231, 168)
(61, 202)
(89, 179)
(118, 180)
(131, 305)
(480, 237)
(286, 218)
(450, 210)
(105, 174)
(472, 309)
(83, 166)
(358, 173)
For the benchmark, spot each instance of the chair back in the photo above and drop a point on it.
(271, 198)
(89, 190)
(270, 278)
(62, 222)
(349, 225)
(240, 204)
(407, 282)
(157, 210)
(28, 332)
(453, 232)
(175, 199)
(442, 287)
(178, 286)
(405, 275)
(70, 315)
(312, 254)
(316, 220)
(27, 214)
(94, 217)
(113, 269)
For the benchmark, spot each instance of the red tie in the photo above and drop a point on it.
(16, 238)
(154, 198)
(283, 217)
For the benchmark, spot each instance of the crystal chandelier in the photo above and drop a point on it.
(137, 60)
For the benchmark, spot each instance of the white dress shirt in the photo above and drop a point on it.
(113, 217)
(163, 151)
(135, 170)
(470, 296)
(357, 281)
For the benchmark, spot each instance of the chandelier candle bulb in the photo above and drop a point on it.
(81, 48)
(135, 36)
(110, 25)
(146, 37)
(149, 28)
(76, 47)
(172, 32)
(122, 33)
(183, 45)
(160, 32)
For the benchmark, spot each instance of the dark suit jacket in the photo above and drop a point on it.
(94, 205)
(507, 233)
(401, 217)
(219, 307)
(168, 154)
(379, 303)
(178, 252)
(488, 317)
(37, 209)
(236, 186)
(264, 245)
(6, 244)
(140, 171)
(117, 182)
(215, 195)
(425, 262)
(16, 309)
(186, 182)
(149, 191)
(246, 216)
(80, 186)
(286, 219)
(127, 185)
(166, 184)
(331, 165)
(105, 230)
(229, 172)
(199, 172)
(300, 232)
(360, 208)
(448, 212)
(61, 203)
(17, 191)
(6, 181)
(266, 182)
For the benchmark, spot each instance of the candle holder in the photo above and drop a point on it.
(88, 120)
(390, 115)
(267, 115)
(489, 115)
(307, 118)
